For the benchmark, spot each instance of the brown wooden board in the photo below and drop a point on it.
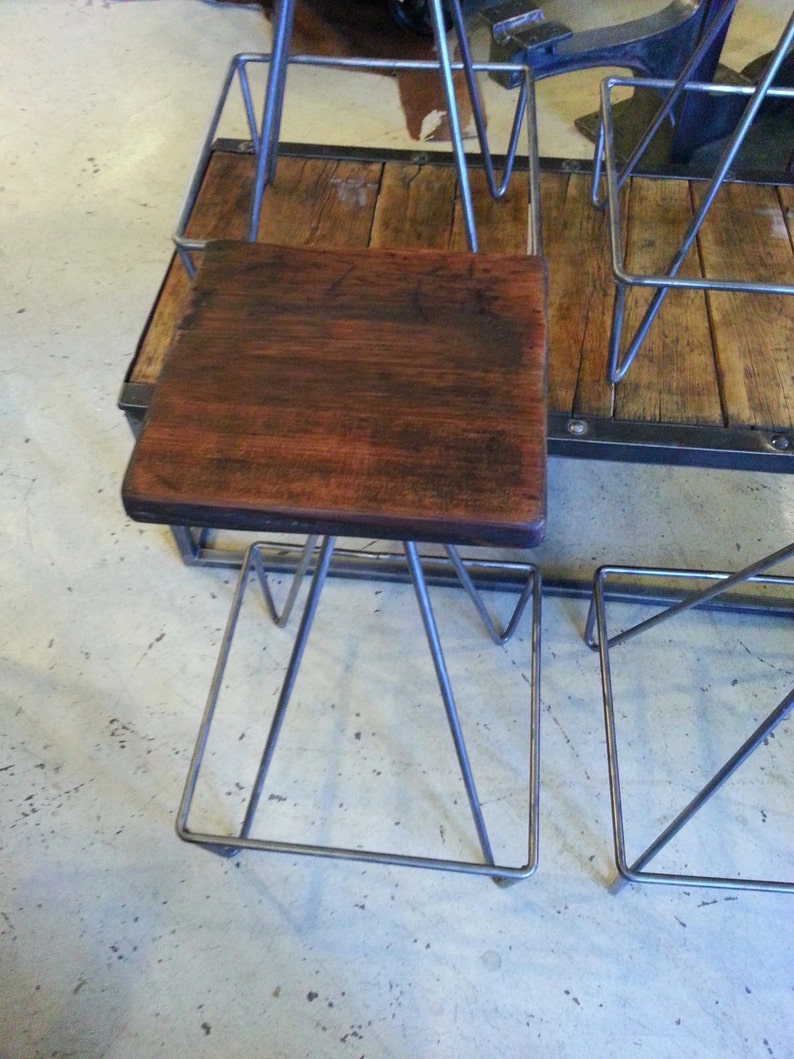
(374, 392)
(221, 211)
(576, 246)
(320, 203)
(745, 237)
(416, 208)
(673, 378)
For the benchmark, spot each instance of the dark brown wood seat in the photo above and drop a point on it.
(400, 394)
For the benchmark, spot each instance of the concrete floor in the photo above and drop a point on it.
(118, 940)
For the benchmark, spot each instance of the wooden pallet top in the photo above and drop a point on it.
(722, 360)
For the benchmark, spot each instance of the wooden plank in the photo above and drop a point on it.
(370, 392)
(575, 244)
(416, 208)
(501, 223)
(746, 236)
(674, 377)
(221, 210)
(320, 203)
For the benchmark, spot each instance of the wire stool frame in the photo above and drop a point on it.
(718, 584)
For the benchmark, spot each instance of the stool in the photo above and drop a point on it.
(751, 98)
(687, 589)
(369, 393)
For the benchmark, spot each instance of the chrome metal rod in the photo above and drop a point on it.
(282, 618)
(497, 190)
(734, 144)
(318, 579)
(535, 219)
(212, 697)
(186, 246)
(717, 780)
(706, 43)
(613, 768)
(499, 636)
(456, 137)
(431, 632)
(705, 594)
(534, 725)
(250, 115)
(271, 114)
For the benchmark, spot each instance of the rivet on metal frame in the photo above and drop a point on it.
(577, 427)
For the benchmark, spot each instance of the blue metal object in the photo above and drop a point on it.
(656, 46)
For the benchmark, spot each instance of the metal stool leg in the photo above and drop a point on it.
(499, 636)
(229, 845)
(431, 632)
(283, 13)
(618, 364)
(635, 871)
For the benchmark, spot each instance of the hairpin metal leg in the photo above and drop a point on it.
(229, 845)
(326, 551)
(431, 632)
(635, 871)
(723, 583)
(617, 366)
(707, 42)
(281, 618)
(499, 636)
(271, 115)
(229, 848)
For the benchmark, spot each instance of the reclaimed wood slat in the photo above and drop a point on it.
(673, 378)
(220, 212)
(326, 202)
(416, 208)
(501, 224)
(320, 203)
(575, 244)
(746, 237)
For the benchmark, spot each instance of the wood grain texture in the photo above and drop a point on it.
(389, 393)
(711, 360)
(220, 212)
(747, 236)
(320, 203)
(416, 208)
(673, 378)
(502, 225)
(576, 246)
(327, 203)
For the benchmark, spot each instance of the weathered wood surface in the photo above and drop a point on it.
(673, 378)
(710, 359)
(746, 237)
(395, 393)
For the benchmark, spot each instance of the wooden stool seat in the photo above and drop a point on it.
(361, 392)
